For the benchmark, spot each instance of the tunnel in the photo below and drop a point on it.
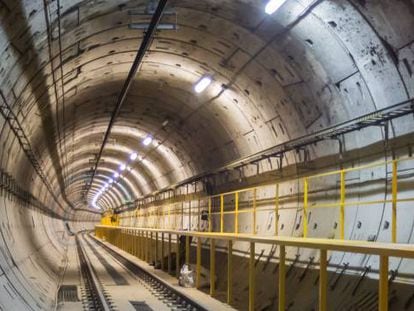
(207, 155)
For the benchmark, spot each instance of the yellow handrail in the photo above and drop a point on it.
(122, 237)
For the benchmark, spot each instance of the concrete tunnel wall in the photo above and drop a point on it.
(310, 65)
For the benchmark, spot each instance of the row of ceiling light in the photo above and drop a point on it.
(201, 85)
(118, 174)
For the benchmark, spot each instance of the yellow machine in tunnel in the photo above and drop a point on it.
(110, 219)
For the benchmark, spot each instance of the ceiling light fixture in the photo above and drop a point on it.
(202, 84)
(273, 5)
(147, 140)
(116, 175)
(133, 156)
(122, 167)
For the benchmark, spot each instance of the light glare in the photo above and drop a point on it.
(133, 156)
(273, 5)
(122, 167)
(147, 140)
(202, 84)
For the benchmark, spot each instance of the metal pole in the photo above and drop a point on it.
(383, 284)
(323, 277)
(342, 207)
(305, 207)
(198, 264)
(252, 276)
(236, 212)
(230, 272)
(212, 267)
(394, 201)
(221, 213)
(282, 278)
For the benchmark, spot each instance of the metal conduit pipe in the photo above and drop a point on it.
(131, 75)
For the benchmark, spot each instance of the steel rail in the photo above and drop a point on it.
(176, 298)
(95, 296)
(128, 82)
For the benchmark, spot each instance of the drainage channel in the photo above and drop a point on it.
(159, 288)
(95, 298)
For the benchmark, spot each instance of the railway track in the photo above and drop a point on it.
(96, 298)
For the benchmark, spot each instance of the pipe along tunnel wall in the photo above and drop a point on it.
(311, 65)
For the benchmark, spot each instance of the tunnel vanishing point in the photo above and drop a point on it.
(206, 155)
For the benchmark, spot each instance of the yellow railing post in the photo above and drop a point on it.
(209, 214)
(394, 201)
(282, 278)
(236, 212)
(323, 277)
(277, 210)
(147, 257)
(187, 249)
(189, 215)
(162, 251)
(199, 215)
(252, 276)
(383, 284)
(151, 248)
(198, 263)
(230, 272)
(305, 207)
(342, 205)
(221, 213)
(254, 210)
(135, 243)
(140, 252)
(156, 249)
(212, 267)
(169, 254)
(177, 257)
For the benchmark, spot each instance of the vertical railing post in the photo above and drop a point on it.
(221, 213)
(323, 277)
(189, 215)
(151, 247)
(140, 252)
(277, 210)
(198, 263)
(230, 272)
(236, 212)
(282, 278)
(305, 207)
(212, 267)
(254, 211)
(252, 276)
(156, 250)
(177, 257)
(199, 216)
(394, 201)
(134, 243)
(209, 214)
(162, 251)
(169, 254)
(342, 205)
(187, 249)
(147, 256)
(383, 284)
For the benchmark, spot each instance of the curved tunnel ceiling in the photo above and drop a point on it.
(310, 65)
